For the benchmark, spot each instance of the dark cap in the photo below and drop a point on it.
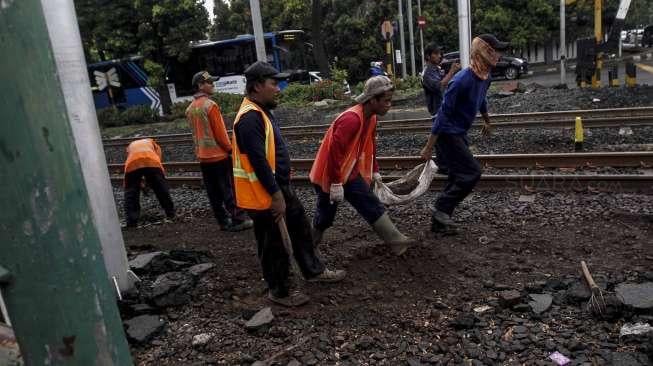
(494, 42)
(203, 76)
(263, 70)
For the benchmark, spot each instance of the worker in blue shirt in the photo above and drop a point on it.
(434, 82)
(464, 98)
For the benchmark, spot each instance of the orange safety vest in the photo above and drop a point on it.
(360, 152)
(197, 114)
(143, 153)
(250, 193)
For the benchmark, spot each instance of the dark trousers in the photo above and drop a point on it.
(156, 180)
(218, 181)
(463, 171)
(358, 193)
(271, 252)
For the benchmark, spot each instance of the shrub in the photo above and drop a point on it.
(409, 82)
(229, 103)
(114, 117)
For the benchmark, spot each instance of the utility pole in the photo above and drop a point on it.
(402, 40)
(73, 75)
(53, 278)
(464, 32)
(258, 30)
(598, 36)
(411, 37)
(421, 34)
(563, 45)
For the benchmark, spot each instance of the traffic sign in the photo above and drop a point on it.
(421, 21)
(387, 31)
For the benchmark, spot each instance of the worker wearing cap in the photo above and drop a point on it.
(144, 162)
(464, 98)
(346, 165)
(262, 185)
(434, 82)
(212, 149)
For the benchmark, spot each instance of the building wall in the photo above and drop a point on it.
(549, 52)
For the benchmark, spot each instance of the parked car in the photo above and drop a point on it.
(508, 67)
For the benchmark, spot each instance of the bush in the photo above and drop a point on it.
(178, 111)
(114, 117)
(229, 103)
(409, 82)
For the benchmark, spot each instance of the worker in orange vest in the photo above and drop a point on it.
(212, 149)
(144, 162)
(346, 165)
(261, 167)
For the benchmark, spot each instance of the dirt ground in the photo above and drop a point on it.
(421, 308)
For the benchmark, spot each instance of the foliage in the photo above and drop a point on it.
(407, 83)
(155, 72)
(229, 103)
(298, 94)
(338, 75)
(114, 117)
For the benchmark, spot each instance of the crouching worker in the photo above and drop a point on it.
(261, 167)
(346, 165)
(144, 162)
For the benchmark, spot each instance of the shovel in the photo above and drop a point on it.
(287, 244)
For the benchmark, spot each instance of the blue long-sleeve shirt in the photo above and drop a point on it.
(465, 96)
(431, 78)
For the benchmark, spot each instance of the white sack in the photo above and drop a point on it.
(408, 187)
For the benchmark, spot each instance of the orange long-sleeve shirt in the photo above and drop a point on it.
(209, 131)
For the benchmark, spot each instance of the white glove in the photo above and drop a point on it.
(376, 177)
(336, 193)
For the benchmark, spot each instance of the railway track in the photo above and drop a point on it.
(532, 161)
(642, 116)
(599, 183)
(529, 183)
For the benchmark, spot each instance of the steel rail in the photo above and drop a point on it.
(529, 183)
(604, 117)
(534, 161)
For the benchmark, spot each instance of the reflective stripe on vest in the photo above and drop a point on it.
(198, 119)
(249, 192)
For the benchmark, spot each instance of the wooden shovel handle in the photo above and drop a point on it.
(285, 236)
(588, 276)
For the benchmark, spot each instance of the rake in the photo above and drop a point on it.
(596, 303)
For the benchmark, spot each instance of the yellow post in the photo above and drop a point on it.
(388, 53)
(598, 36)
(631, 74)
(578, 134)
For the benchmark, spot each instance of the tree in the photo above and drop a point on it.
(156, 29)
(108, 34)
(165, 30)
(319, 52)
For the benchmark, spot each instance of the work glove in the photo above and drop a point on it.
(376, 177)
(278, 206)
(336, 193)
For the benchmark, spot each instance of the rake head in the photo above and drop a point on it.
(596, 303)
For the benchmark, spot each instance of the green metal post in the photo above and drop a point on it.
(59, 298)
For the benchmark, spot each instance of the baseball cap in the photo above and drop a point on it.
(376, 85)
(263, 70)
(203, 76)
(494, 42)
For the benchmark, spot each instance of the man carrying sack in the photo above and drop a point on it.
(261, 166)
(465, 96)
(346, 166)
